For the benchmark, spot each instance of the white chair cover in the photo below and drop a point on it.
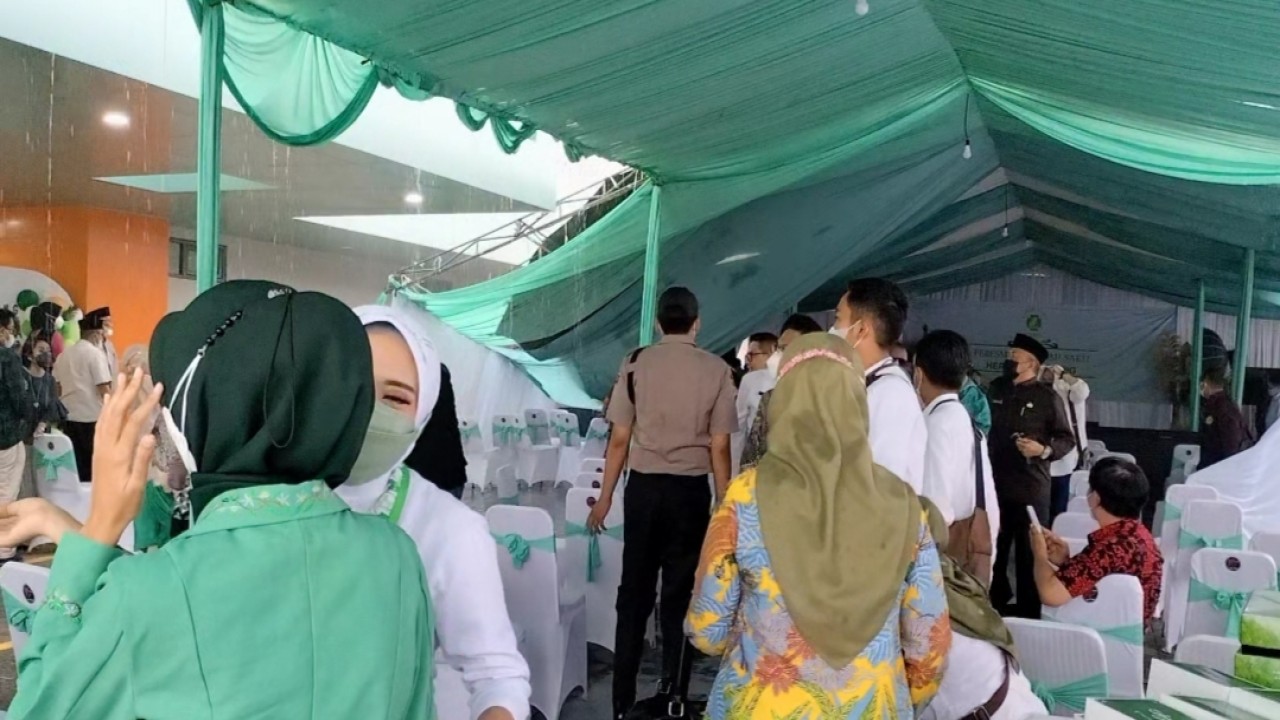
(1185, 460)
(1203, 521)
(1078, 505)
(1076, 545)
(554, 626)
(591, 475)
(23, 588)
(564, 431)
(539, 424)
(1074, 525)
(534, 463)
(1267, 542)
(597, 439)
(506, 431)
(1067, 661)
(57, 479)
(1217, 653)
(1221, 580)
(1116, 612)
(1097, 447)
(1080, 483)
(602, 585)
(504, 479)
(1175, 501)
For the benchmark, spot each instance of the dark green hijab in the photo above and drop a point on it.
(282, 395)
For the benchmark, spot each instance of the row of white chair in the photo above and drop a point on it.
(541, 447)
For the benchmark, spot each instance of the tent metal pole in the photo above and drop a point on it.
(1197, 357)
(649, 298)
(1242, 328)
(209, 146)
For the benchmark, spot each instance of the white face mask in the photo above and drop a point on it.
(843, 333)
(775, 362)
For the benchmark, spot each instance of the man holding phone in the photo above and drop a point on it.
(1029, 430)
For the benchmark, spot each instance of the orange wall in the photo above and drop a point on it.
(100, 257)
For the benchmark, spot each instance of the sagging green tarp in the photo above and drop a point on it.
(800, 144)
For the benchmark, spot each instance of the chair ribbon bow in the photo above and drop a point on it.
(469, 432)
(520, 547)
(595, 434)
(566, 433)
(1187, 539)
(1172, 512)
(51, 463)
(1072, 695)
(18, 615)
(594, 559)
(1231, 602)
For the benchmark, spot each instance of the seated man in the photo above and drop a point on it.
(1121, 546)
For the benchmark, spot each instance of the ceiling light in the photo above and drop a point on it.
(738, 258)
(13, 223)
(413, 197)
(115, 119)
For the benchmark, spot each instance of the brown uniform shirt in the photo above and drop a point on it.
(684, 396)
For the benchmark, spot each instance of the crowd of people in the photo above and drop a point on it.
(858, 564)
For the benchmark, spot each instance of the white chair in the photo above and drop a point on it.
(57, 479)
(590, 474)
(603, 578)
(596, 440)
(1205, 523)
(479, 469)
(1076, 545)
(1217, 653)
(1175, 500)
(1078, 505)
(1186, 458)
(1267, 542)
(564, 430)
(538, 423)
(554, 626)
(534, 463)
(1221, 583)
(504, 479)
(1066, 662)
(1115, 610)
(24, 587)
(1097, 447)
(1080, 483)
(1074, 525)
(506, 431)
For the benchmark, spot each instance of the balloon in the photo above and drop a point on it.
(27, 299)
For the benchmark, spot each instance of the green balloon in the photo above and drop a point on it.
(28, 298)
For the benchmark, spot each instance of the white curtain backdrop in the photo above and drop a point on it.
(484, 383)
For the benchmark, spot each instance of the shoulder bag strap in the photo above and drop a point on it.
(631, 376)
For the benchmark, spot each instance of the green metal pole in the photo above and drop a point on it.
(649, 298)
(1242, 328)
(209, 146)
(1197, 358)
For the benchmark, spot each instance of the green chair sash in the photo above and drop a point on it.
(1231, 602)
(594, 559)
(507, 434)
(1127, 634)
(51, 463)
(1188, 539)
(17, 613)
(1072, 695)
(469, 432)
(566, 434)
(594, 434)
(1172, 512)
(520, 547)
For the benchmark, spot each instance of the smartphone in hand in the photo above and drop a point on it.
(1035, 521)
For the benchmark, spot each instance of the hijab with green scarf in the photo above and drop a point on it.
(269, 385)
(841, 531)
(972, 614)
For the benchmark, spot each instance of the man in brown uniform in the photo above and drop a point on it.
(672, 411)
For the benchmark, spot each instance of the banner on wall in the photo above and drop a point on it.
(1115, 350)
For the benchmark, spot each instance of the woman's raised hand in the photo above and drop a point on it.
(123, 446)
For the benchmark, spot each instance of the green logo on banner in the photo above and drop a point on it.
(1034, 323)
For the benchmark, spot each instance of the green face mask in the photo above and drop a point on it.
(387, 443)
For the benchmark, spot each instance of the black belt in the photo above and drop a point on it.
(992, 706)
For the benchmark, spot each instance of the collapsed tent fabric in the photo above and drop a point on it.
(1248, 480)
(800, 144)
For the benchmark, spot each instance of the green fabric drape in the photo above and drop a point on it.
(594, 560)
(1232, 602)
(1188, 539)
(50, 463)
(1072, 695)
(520, 547)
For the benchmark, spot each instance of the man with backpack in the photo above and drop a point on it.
(672, 411)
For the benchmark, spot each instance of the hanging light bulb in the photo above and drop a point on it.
(862, 8)
(1005, 231)
(968, 149)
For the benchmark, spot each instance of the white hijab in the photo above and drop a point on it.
(363, 497)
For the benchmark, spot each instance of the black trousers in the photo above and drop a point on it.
(81, 437)
(665, 520)
(1014, 537)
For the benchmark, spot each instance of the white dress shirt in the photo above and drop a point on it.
(753, 386)
(975, 670)
(897, 429)
(473, 629)
(80, 369)
(949, 478)
(1072, 395)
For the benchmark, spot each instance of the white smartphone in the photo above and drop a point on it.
(1035, 522)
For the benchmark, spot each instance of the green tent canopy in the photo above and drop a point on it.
(798, 144)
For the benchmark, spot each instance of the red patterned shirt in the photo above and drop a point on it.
(1121, 548)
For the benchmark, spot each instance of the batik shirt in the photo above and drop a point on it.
(769, 670)
(1121, 548)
